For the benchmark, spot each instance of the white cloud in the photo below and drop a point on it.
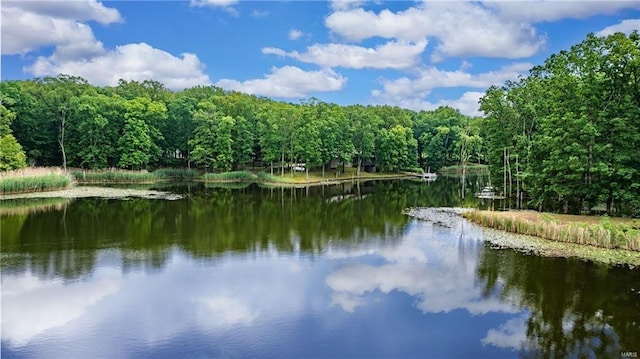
(393, 54)
(259, 13)
(25, 31)
(412, 93)
(341, 5)
(214, 3)
(510, 335)
(87, 10)
(130, 62)
(462, 29)
(226, 5)
(625, 26)
(295, 34)
(288, 81)
(554, 10)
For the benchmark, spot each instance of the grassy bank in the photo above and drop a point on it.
(604, 232)
(34, 180)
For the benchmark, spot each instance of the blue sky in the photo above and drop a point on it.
(417, 55)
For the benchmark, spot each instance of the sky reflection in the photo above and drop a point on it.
(392, 297)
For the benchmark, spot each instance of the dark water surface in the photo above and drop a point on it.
(334, 271)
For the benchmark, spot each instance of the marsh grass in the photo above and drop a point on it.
(235, 176)
(115, 176)
(34, 180)
(183, 174)
(605, 234)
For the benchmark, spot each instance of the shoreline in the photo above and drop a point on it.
(528, 244)
(95, 191)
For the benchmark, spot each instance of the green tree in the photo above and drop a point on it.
(135, 144)
(212, 142)
(11, 154)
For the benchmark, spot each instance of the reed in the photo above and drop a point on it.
(183, 174)
(235, 176)
(34, 180)
(604, 234)
(115, 176)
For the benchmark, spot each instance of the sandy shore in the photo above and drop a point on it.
(102, 192)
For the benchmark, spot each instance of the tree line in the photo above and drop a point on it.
(65, 121)
(567, 137)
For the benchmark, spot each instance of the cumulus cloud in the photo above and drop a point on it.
(48, 27)
(461, 28)
(295, 34)
(288, 81)
(554, 10)
(130, 62)
(412, 92)
(88, 10)
(625, 26)
(393, 54)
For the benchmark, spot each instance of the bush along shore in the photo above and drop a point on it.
(605, 232)
(34, 180)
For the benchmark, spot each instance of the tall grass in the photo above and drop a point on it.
(33, 180)
(115, 176)
(184, 174)
(235, 176)
(604, 234)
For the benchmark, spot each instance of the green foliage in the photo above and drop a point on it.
(142, 125)
(573, 124)
(11, 154)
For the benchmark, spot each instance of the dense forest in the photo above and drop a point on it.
(567, 137)
(65, 121)
(564, 138)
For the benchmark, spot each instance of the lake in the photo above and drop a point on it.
(320, 272)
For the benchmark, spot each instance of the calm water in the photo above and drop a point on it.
(291, 273)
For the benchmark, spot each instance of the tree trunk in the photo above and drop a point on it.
(359, 165)
(61, 142)
(323, 165)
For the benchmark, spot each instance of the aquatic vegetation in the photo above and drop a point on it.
(34, 180)
(605, 234)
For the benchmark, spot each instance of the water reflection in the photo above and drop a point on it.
(578, 309)
(320, 272)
